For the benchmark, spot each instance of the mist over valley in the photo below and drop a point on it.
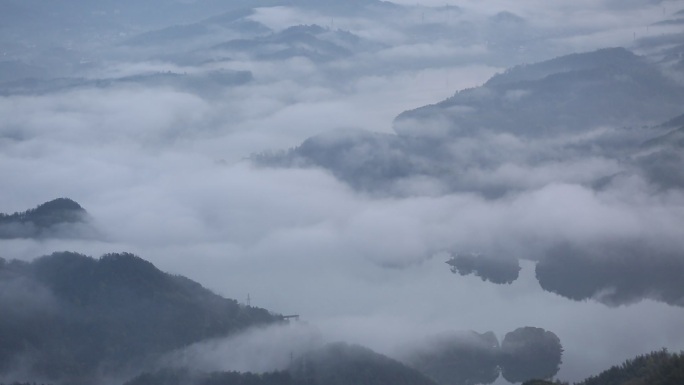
(206, 192)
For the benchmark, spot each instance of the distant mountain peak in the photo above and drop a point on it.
(615, 56)
(507, 17)
(41, 220)
(59, 204)
(313, 29)
(577, 92)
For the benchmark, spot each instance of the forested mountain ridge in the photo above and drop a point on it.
(333, 364)
(43, 220)
(343, 364)
(611, 86)
(660, 159)
(187, 377)
(655, 368)
(70, 317)
(609, 102)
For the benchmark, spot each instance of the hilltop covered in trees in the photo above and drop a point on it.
(70, 317)
(655, 368)
(45, 220)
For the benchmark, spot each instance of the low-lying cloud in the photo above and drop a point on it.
(161, 170)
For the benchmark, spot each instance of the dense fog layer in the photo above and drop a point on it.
(328, 160)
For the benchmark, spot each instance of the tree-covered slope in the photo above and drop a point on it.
(343, 364)
(552, 115)
(44, 220)
(656, 368)
(187, 377)
(661, 159)
(576, 92)
(333, 364)
(71, 317)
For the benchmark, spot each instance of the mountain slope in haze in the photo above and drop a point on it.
(188, 377)
(201, 83)
(663, 44)
(59, 217)
(576, 92)
(624, 271)
(343, 364)
(69, 18)
(231, 22)
(591, 137)
(311, 41)
(72, 318)
(457, 358)
(657, 368)
(66, 38)
(566, 110)
(130, 15)
(333, 364)
(661, 159)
